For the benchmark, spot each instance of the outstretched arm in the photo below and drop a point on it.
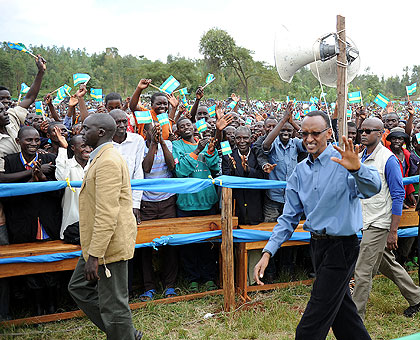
(198, 95)
(36, 85)
(275, 132)
(134, 101)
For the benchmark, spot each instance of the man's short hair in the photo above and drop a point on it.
(4, 88)
(25, 129)
(269, 118)
(51, 126)
(351, 125)
(112, 96)
(320, 114)
(245, 129)
(181, 119)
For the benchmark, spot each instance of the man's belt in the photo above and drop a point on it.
(330, 237)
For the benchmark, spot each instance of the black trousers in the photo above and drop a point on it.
(331, 304)
(199, 260)
(169, 255)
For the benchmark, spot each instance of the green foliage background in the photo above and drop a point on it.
(115, 73)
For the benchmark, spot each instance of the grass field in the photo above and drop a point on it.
(270, 315)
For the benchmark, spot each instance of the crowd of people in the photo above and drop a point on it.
(266, 141)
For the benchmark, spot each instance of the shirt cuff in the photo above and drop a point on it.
(271, 248)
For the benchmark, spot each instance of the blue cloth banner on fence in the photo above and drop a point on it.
(239, 235)
(173, 185)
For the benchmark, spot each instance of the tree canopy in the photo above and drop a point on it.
(234, 67)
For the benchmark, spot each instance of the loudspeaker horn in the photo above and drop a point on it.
(292, 52)
(328, 69)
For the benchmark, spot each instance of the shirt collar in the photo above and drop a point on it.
(247, 155)
(324, 157)
(97, 149)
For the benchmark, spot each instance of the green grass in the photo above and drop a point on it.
(270, 315)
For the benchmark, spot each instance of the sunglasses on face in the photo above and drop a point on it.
(306, 134)
(367, 131)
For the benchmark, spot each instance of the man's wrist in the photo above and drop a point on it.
(265, 251)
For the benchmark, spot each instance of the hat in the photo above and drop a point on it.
(397, 132)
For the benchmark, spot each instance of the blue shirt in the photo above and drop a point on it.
(286, 159)
(394, 179)
(328, 194)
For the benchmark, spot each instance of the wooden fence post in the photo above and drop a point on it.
(227, 251)
(341, 80)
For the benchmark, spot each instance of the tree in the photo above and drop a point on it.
(220, 51)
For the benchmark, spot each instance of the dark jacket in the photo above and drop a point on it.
(249, 202)
(23, 212)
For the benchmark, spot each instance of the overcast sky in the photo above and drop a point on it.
(384, 32)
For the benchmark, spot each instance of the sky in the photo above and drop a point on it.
(384, 34)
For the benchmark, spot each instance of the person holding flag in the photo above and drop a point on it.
(196, 158)
(160, 104)
(10, 121)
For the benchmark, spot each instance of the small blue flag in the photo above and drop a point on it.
(80, 78)
(24, 88)
(355, 97)
(225, 147)
(201, 125)
(169, 85)
(18, 47)
(381, 100)
(163, 119)
(210, 78)
(39, 110)
(232, 105)
(411, 89)
(212, 110)
(96, 94)
(143, 117)
(183, 91)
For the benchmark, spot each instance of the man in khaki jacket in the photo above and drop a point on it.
(107, 234)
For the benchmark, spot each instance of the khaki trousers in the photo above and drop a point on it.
(374, 256)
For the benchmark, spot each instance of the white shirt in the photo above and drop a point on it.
(132, 150)
(159, 170)
(68, 168)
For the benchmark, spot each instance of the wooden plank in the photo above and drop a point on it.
(242, 271)
(279, 285)
(149, 230)
(78, 313)
(409, 218)
(17, 269)
(227, 251)
(261, 244)
(36, 248)
(268, 226)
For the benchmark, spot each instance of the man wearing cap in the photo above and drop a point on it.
(381, 218)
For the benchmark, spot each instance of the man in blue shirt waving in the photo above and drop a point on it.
(326, 189)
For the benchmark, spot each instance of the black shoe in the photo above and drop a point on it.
(412, 310)
(138, 335)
